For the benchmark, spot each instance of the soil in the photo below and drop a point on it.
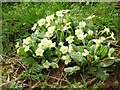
(113, 82)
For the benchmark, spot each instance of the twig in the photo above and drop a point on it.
(47, 75)
(57, 78)
(63, 78)
(91, 81)
(35, 85)
(22, 65)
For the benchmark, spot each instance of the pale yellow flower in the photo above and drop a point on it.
(112, 57)
(82, 24)
(90, 17)
(79, 32)
(107, 30)
(102, 39)
(52, 44)
(27, 41)
(82, 37)
(39, 52)
(65, 11)
(18, 50)
(85, 53)
(59, 14)
(48, 34)
(51, 29)
(27, 48)
(46, 64)
(70, 39)
(97, 41)
(61, 44)
(66, 27)
(45, 43)
(90, 32)
(50, 18)
(37, 32)
(112, 36)
(64, 49)
(17, 45)
(66, 59)
(41, 22)
(64, 21)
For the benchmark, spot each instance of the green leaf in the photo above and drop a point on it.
(78, 48)
(90, 43)
(48, 53)
(107, 63)
(92, 49)
(76, 56)
(62, 37)
(76, 41)
(36, 68)
(29, 61)
(58, 52)
(21, 51)
(111, 51)
(72, 70)
(101, 74)
(34, 47)
(98, 72)
(104, 52)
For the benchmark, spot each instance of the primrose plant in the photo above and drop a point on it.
(59, 39)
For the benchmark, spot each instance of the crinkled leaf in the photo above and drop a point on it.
(76, 57)
(72, 70)
(101, 74)
(29, 61)
(36, 68)
(111, 51)
(107, 63)
(98, 72)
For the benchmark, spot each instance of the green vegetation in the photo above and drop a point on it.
(18, 18)
(43, 62)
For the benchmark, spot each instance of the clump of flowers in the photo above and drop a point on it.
(59, 38)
